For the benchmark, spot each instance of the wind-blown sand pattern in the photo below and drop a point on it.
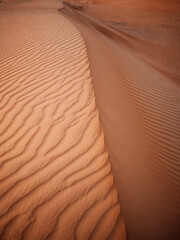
(136, 83)
(55, 177)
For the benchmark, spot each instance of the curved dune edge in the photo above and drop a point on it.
(140, 116)
(55, 176)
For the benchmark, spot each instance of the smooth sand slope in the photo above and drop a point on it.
(139, 107)
(55, 177)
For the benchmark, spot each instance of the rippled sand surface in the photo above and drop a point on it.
(55, 176)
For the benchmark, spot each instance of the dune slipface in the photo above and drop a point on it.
(139, 111)
(55, 177)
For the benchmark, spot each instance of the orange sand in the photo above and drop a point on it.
(55, 176)
(81, 88)
(135, 72)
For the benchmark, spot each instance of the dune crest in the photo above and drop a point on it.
(55, 176)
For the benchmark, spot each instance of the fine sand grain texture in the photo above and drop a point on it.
(139, 106)
(55, 176)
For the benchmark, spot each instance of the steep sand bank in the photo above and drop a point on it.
(162, 5)
(55, 176)
(139, 108)
(152, 28)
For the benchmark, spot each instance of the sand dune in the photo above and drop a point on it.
(165, 5)
(82, 87)
(140, 115)
(151, 28)
(55, 176)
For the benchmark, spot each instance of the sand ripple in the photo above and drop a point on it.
(55, 177)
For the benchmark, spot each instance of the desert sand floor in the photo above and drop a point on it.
(55, 176)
